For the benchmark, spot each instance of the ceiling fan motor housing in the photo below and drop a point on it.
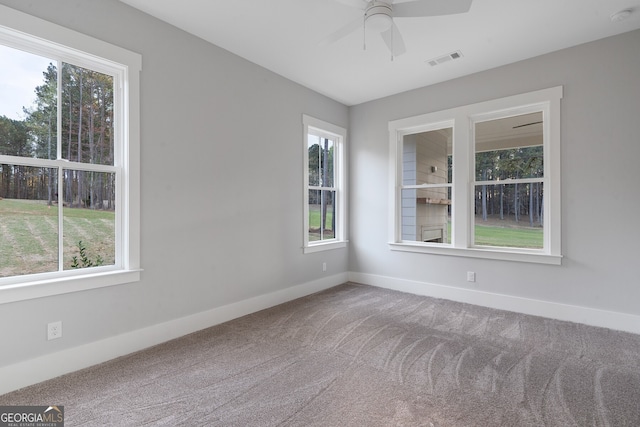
(379, 16)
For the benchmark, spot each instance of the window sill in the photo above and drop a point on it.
(50, 287)
(325, 246)
(497, 254)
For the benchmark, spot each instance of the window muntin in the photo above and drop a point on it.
(112, 156)
(535, 170)
(324, 194)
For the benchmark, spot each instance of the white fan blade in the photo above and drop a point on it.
(419, 8)
(359, 4)
(342, 32)
(394, 40)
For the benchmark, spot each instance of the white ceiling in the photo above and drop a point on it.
(283, 36)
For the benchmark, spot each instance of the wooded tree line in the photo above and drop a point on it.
(86, 108)
(521, 201)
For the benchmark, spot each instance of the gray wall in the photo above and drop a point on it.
(221, 188)
(217, 130)
(600, 179)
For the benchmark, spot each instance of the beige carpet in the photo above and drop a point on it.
(361, 356)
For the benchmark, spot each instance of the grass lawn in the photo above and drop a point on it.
(508, 236)
(505, 233)
(314, 223)
(29, 236)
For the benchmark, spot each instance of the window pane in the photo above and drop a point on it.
(28, 90)
(87, 116)
(322, 215)
(509, 148)
(28, 220)
(321, 161)
(426, 212)
(509, 215)
(426, 215)
(314, 159)
(326, 162)
(426, 157)
(89, 219)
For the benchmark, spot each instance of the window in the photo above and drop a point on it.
(509, 182)
(324, 185)
(69, 157)
(426, 186)
(481, 180)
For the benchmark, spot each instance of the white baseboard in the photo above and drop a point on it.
(572, 313)
(49, 366)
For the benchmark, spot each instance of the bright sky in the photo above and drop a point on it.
(20, 73)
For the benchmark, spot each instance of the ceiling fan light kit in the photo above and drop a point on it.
(380, 15)
(621, 15)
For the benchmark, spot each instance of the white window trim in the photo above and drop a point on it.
(42, 37)
(463, 119)
(339, 135)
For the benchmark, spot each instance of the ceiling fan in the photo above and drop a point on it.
(379, 16)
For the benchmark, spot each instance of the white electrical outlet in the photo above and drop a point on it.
(54, 330)
(324, 266)
(471, 276)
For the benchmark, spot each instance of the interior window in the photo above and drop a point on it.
(426, 186)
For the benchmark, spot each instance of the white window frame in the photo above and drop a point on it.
(339, 136)
(34, 35)
(463, 120)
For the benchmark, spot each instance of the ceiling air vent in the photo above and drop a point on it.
(445, 58)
